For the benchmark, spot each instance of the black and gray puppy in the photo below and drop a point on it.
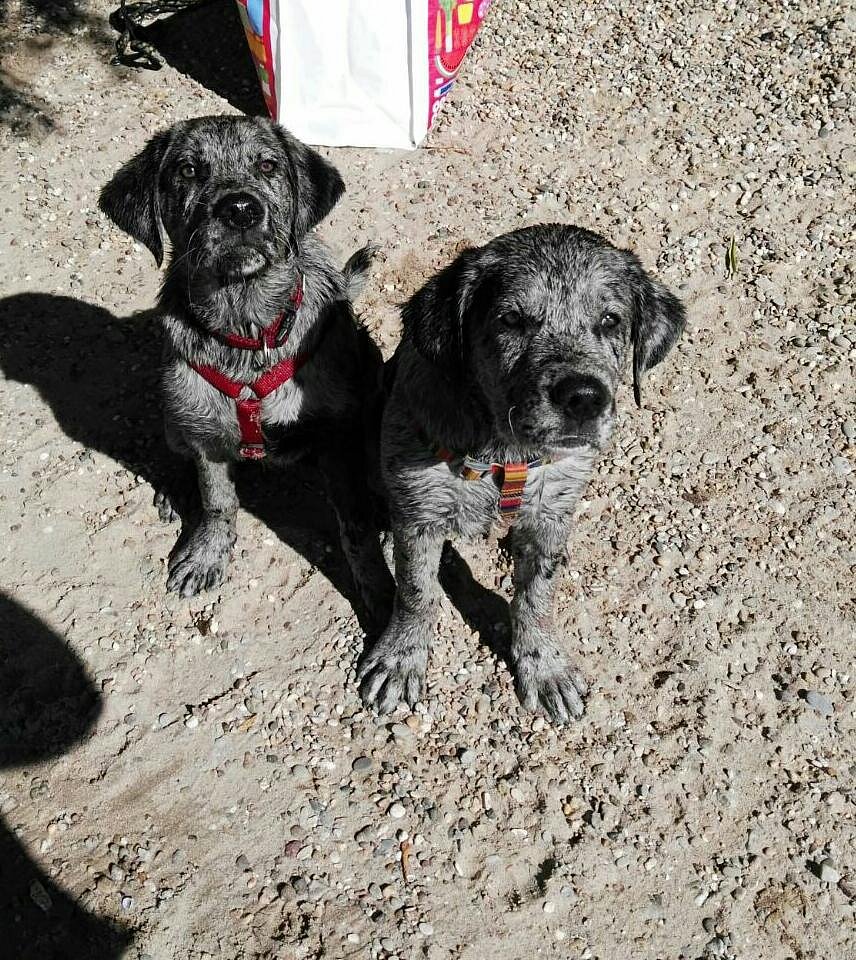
(264, 359)
(503, 398)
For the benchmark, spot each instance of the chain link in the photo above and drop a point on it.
(131, 49)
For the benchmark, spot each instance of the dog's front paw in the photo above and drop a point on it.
(392, 672)
(549, 682)
(201, 561)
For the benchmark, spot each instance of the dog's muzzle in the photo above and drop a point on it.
(581, 398)
(239, 211)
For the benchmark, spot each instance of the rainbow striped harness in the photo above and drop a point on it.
(511, 477)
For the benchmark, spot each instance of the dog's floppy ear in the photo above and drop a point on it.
(132, 198)
(317, 184)
(434, 318)
(659, 320)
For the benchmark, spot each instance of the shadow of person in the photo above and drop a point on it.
(47, 704)
(99, 375)
(208, 44)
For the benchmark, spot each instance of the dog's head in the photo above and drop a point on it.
(540, 321)
(234, 194)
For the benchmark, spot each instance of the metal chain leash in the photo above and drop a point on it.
(129, 18)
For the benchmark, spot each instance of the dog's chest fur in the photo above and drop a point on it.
(326, 388)
(427, 492)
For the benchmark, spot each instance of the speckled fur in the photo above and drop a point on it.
(484, 342)
(221, 280)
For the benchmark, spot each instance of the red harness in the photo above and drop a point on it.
(247, 407)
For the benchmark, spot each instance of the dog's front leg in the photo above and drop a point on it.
(393, 669)
(545, 677)
(199, 561)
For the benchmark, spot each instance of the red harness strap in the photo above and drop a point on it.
(273, 335)
(249, 409)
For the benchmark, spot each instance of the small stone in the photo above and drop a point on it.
(362, 764)
(549, 906)
(826, 872)
(396, 811)
(817, 701)
(40, 897)
(299, 885)
(426, 929)
(292, 848)
(754, 843)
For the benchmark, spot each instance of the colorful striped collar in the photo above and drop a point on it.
(511, 477)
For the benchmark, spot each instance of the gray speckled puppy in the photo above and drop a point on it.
(508, 368)
(263, 357)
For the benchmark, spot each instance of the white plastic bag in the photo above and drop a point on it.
(362, 73)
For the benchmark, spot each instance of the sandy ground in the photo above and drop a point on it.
(197, 779)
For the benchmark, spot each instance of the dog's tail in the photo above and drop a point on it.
(357, 270)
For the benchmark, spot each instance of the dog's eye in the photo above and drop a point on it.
(512, 319)
(267, 166)
(609, 321)
(188, 170)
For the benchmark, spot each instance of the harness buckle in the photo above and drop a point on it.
(284, 331)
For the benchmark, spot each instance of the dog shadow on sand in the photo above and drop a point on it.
(99, 375)
(47, 705)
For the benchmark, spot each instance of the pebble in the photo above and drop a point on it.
(827, 871)
(396, 811)
(819, 702)
(40, 897)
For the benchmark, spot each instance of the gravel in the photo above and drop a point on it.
(229, 797)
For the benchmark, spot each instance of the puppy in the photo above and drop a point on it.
(263, 358)
(503, 397)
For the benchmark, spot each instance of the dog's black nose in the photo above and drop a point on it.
(239, 210)
(580, 397)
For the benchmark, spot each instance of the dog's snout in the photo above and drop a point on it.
(239, 210)
(580, 397)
